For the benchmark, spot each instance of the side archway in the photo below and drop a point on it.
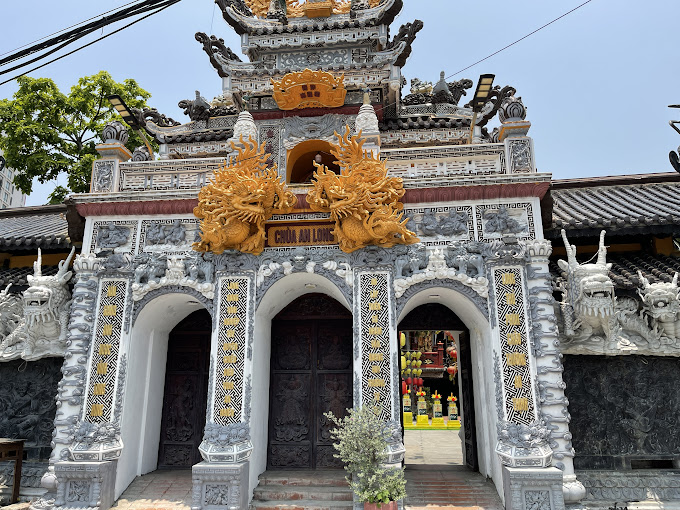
(470, 312)
(147, 348)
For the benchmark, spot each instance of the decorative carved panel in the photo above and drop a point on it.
(27, 403)
(311, 373)
(624, 410)
(186, 390)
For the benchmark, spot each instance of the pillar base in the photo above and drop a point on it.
(85, 485)
(220, 486)
(408, 420)
(531, 488)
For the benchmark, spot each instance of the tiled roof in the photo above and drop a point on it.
(656, 268)
(17, 276)
(625, 205)
(28, 228)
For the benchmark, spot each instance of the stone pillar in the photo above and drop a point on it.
(222, 479)
(105, 171)
(522, 444)
(84, 480)
(553, 403)
(376, 353)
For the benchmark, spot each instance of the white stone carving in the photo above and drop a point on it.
(245, 127)
(41, 332)
(595, 321)
(154, 272)
(437, 268)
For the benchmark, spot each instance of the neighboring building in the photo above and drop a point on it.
(10, 196)
(219, 306)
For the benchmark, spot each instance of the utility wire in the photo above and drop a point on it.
(521, 39)
(169, 3)
(64, 29)
(69, 37)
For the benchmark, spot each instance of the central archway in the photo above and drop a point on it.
(311, 373)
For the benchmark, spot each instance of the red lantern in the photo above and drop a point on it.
(451, 369)
(420, 381)
(409, 381)
(454, 355)
(404, 388)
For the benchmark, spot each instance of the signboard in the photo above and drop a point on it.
(301, 234)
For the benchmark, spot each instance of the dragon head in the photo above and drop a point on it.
(46, 295)
(662, 299)
(591, 291)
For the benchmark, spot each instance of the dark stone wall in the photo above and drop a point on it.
(28, 393)
(625, 410)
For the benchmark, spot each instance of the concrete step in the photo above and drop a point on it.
(301, 492)
(335, 478)
(300, 505)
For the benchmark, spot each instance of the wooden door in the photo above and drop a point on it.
(467, 399)
(186, 392)
(311, 373)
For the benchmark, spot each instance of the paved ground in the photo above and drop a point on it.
(161, 490)
(438, 447)
(436, 480)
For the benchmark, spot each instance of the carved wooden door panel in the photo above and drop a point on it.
(185, 398)
(467, 398)
(311, 373)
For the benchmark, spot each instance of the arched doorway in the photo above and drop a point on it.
(300, 161)
(186, 390)
(311, 373)
(442, 340)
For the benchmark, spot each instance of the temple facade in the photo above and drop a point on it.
(255, 275)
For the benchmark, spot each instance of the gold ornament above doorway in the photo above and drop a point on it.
(309, 89)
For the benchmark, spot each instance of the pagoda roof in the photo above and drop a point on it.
(237, 14)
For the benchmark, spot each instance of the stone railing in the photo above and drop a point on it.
(440, 165)
(168, 174)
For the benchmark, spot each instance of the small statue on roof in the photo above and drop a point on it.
(278, 9)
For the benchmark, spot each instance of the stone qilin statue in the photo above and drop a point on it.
(235, 205)
(362, 199)
(41, 332)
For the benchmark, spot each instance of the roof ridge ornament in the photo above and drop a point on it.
(309, 89)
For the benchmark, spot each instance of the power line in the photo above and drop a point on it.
(521, 39)
(56, 43)
(64, 29)
(169, 3)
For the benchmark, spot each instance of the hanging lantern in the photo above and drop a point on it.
(404, 388)
(403, 362)
(402, 340)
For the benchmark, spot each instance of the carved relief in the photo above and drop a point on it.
(622, 409)
(309, 89)
(154, 271)
(27, 401)
(363, 200)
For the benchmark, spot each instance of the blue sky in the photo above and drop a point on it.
(596, 83)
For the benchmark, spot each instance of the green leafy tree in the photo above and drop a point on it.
(45, 132)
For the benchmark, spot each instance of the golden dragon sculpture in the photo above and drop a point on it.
(362, 199)
(238, 201)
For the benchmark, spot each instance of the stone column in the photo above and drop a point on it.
(222, 478)
(552, 401)
(522, 445)
(85, 482)
(376, 353)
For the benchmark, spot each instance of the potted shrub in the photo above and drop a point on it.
(361, 439)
